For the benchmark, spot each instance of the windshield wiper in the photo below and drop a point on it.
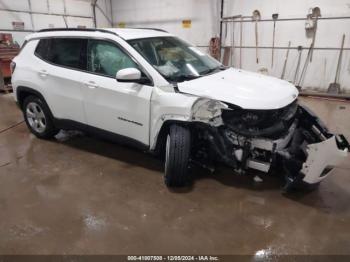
(182, 78)
(211, 70)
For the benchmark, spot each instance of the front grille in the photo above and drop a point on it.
(265, 123)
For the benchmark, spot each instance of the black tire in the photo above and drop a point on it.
(47, 130)
(300, 185)
(177, 154)
(305, 187)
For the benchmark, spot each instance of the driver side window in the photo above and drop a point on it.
(106, 58)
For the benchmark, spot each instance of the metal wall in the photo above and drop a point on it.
(38, 14)
(205, 17)
(169, 15)
(333, 23)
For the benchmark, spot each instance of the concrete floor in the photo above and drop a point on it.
(80, 195)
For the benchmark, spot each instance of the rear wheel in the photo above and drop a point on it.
(177, 154)
(37, 117)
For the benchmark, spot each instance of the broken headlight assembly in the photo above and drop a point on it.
(207, 111)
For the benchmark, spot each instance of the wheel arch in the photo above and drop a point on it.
(158, 144)
(22, 92)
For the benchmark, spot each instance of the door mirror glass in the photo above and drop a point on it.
(129, 75)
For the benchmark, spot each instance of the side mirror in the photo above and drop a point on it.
(129, 75)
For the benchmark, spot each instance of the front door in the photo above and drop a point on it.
(120, 108)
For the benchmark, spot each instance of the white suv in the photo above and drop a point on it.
(148, 88)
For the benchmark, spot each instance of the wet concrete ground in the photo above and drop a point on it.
(81, 195)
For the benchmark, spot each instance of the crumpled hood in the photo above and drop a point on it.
(242, 88)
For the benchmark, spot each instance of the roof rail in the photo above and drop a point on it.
(150, 28)
(78, 29)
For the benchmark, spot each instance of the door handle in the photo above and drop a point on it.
(43, 73)
(91, 84)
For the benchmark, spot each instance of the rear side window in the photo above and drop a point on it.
(42, 48)
(67, 52)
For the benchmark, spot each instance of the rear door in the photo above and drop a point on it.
(120, 108)
(61, 75)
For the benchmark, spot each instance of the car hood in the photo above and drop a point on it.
(242, 88)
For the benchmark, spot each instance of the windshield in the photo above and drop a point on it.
(174, 59)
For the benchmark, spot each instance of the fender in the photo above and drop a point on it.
(168, 107)
(162, 126)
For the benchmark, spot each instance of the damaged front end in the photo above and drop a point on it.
(291, 137)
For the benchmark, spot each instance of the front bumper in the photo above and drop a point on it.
(321, 159)
(307, 151)
(313, 151)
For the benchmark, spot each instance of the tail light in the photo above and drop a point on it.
(12, 67)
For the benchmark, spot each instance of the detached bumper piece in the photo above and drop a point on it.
(313, 152)
(322, 158)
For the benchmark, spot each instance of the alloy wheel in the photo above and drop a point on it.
(36, 117)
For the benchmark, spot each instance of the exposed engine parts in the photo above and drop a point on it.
(260, 123)
(291, 137)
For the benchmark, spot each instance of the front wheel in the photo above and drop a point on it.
(177, 154)
(306, 187)
(299, 185)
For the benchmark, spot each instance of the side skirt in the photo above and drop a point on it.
(66, 124)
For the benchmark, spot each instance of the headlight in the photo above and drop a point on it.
(205, 110)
